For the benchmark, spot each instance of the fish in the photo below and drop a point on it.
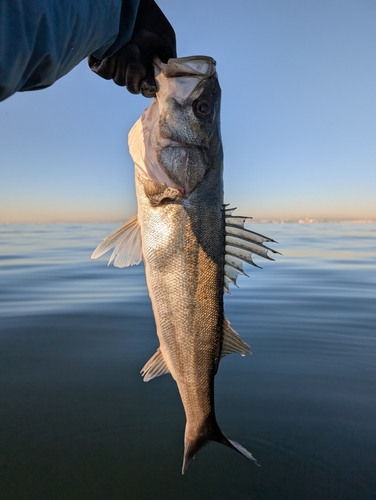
(192, 245)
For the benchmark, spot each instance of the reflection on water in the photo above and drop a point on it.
(78, 422)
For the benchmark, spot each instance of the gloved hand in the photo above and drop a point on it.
(132, 65)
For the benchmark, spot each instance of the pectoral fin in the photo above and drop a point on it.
(126, 242)
(232, 342)
(155, 367)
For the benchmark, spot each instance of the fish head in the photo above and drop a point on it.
(187, 136)
(181, 128)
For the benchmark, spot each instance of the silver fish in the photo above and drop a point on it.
(192, 245)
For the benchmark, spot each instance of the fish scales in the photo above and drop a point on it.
(182, 277)
(180, 234)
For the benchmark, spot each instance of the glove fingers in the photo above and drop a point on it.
(141, 56)
(164, 51)
(148, 86)
(119, 75)
(106, 68)
(135, 71)
(132, 65)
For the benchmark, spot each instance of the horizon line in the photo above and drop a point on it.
(306, 220)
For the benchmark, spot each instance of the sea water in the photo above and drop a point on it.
(78, 422)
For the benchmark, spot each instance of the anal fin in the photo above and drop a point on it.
(155, 367)
(232, 342)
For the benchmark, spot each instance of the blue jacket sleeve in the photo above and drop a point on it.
(42, 40)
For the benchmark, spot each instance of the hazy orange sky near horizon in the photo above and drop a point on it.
(298, 119)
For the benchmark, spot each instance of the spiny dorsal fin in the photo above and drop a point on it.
(232, 341)
(127, 242)
(155, 367)
(240, 245)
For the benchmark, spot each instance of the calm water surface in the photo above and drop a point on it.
(78, 422)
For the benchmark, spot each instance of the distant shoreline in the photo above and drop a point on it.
(251, 221)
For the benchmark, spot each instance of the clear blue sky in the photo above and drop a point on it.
(298, 118)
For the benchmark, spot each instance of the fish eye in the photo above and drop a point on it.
(202, 108)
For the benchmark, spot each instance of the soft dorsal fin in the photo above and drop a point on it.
(126, 242)
(232, 341)
(240, 245)
(155, 367)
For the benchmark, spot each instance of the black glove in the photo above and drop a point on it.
(132, 65)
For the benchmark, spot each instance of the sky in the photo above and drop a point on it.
(298, 118)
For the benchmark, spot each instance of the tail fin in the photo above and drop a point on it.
(239, 448)
(192, 446)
